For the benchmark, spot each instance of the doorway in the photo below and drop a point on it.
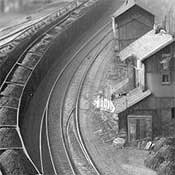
(139, 127)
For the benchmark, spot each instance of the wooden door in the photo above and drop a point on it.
(139, 127)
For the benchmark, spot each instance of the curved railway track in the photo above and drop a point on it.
(22, 85)
(69, 132)
(66, 117)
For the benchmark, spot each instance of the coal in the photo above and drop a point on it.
(8, 116)
(9, 138)
(8, 101)
(15, 162)
(30, 60)
(20, 75)
(12, 90)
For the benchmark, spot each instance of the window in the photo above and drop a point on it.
(173, 113)
(166, 78)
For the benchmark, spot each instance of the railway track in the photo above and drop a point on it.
(75, 154)
(20, 85)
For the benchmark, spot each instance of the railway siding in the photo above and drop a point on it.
(88, 90)
(79, 159)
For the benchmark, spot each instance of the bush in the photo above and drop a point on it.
(159, 143)
(167, 152)
(154, 160)
(167, 168)
(162, 158)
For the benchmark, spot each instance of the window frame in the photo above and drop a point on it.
(167, 73)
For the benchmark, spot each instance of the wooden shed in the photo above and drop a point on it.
(131, 21)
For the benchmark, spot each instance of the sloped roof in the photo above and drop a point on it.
(131, 3)
(146, 46)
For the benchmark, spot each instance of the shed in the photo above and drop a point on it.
(132, 20)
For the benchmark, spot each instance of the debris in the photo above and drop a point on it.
(148, 145)
(119, 142)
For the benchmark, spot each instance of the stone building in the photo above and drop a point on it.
(149, 102)
(147, 107)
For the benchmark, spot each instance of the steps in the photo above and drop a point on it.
(123, 102)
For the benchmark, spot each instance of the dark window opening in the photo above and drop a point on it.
(165, 78)
(173, 113)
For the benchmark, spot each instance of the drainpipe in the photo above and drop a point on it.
(114, 27)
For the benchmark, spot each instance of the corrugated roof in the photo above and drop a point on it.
(131, 3)
(146, 46)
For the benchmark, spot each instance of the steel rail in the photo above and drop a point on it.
(63, 70)
(64, 139)
(40, 140)
(48, 143)
(77, 122)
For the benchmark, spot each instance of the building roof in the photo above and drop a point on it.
(146, 46)
(128, 5)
